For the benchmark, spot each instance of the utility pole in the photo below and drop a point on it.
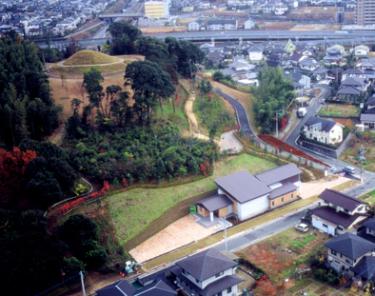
(82, 283)
(277, 124)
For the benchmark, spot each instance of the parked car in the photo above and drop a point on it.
(302, 227)
(349, 170)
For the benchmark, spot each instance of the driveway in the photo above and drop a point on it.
(180, 233)
(314, 188)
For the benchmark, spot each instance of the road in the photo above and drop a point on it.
(242, 119)
(254, 35)
(261, 232)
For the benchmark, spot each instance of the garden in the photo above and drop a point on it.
(339, 111)
(280, 256)
(361, 150)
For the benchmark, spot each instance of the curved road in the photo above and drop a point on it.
(243, 121)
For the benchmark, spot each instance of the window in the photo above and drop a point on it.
(282, 199)
(273, 203)
(325, 225)
(229, 290)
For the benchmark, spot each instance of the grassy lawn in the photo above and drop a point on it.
(105, 69)
(369, 197)
(90, 57)
(133, 210)
(174, 114)
(212, 114)
(339, 110)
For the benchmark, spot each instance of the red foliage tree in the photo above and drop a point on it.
(13, 165)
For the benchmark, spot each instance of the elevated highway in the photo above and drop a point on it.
(244, 35)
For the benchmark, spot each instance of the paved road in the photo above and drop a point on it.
(241, 114)
(254, 35)
(261, 232)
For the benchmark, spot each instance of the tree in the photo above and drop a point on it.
(92, 80)
(13, 166)
(205, 87)
(26, 107)
(124, 36)
(272, 96)
(218, 76)
(150, 84)
(78, 229)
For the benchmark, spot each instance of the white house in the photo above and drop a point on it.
(338, 212)
(249, 24)
(194, 26)
(323, 131)
(244, 196)
(256, 54)
(361, 51)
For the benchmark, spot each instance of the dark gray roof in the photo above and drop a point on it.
(348, 90)
(369, 223)
(213, 288)
(351, 81)
(159, 288)
(242, 186)
(337, 218)
(350, 245)
(367, 117)
(215, 202)
(221, 22)
(278, 174)
(206, 264)
(324, 124)
(119, 288)
(340, 199)
(366, 268)
(286, 188)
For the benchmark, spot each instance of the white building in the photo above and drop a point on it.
(194, 26)
(256, 54)
(156, 9)
(361, 51)
(338, 213)
(323, 131)
(249, 24)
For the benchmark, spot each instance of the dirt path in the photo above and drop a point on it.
(189, 111)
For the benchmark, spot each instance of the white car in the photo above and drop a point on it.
(302, 227)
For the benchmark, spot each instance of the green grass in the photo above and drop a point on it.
(339, 110)
(177, 114)
(302, 242)
(369, 197)
(90, 57)
(132, 211)
(212, 114)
